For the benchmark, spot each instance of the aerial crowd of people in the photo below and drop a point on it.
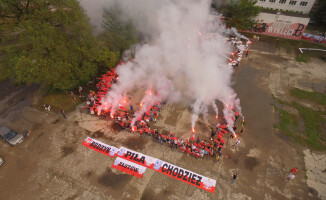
(123, 118)
(192, 146)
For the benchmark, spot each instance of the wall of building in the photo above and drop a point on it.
(281, 25)
(297, 5)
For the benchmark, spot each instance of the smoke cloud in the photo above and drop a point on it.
(186, 59)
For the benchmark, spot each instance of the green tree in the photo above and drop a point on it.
(117, 34)
(320, 14)
(51, 43)
(240, 14)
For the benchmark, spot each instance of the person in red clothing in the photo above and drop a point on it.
(294, 171)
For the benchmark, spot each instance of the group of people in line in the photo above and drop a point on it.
(125, 119)
(93, 99)
(241, 50)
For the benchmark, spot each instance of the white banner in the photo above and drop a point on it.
(166, 168)
(129, 167)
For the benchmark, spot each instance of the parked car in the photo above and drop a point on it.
(11, 136)
(1, 161)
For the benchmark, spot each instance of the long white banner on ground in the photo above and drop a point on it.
(136, 157)
(140, 159)
(100, 147)
(129, 167)
(169, 169)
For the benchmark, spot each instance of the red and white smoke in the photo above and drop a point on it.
(183, 61)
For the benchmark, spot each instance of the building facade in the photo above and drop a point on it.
(281, 25)
(303, 6)
(283, 18)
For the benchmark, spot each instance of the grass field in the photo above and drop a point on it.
(315, 97)
(313, 123)
(292, 46)
(314, 133)
(59, 102)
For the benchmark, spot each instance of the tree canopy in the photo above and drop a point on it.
(320, 14)
(240, 14)
(117, 34)
(50, 43)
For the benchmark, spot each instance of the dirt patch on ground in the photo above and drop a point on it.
(113, 180)
(148, 194)
(165, 193)
(97, 134)
(313, 192)
(250, 163)
(135, 142)
(56, 121)
(316, 177)
(67, 150)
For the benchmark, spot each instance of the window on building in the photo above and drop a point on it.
(293, 3)
(303, 3)
(271, 1)
(282, 1)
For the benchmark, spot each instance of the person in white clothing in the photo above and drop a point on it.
(237, 142)
(291, 176)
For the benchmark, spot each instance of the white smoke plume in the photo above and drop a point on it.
(181, 62)
(236, 33)
(215, 108)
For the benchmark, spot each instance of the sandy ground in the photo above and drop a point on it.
(52, 163)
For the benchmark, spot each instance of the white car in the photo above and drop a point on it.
(10, 136)
(1, 161)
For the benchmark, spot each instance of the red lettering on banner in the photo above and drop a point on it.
(134, 163)
(136, 157)
(187, 177)
(281, 28)
(168, 169)
(129, 167)
(100, 147)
